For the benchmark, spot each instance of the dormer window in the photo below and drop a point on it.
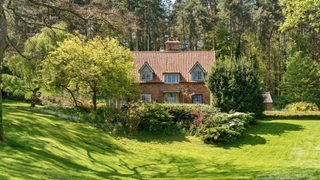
(197, 73)
(146, 76)
(171, 78)
(146, 73)
(197, 76)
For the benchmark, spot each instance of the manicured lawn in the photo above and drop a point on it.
(42, 146)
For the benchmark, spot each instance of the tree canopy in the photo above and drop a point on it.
(93, 66)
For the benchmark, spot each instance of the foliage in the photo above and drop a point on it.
(225, 127)
(93, 66)
(26, 68)
(302, 106)
(155, 118)
(198, 120)
(302, 79)
(182, 112)
(297, 11)
(222, 41)
(279, 102)
(234, 85)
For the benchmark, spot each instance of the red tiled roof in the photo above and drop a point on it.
(169, 61)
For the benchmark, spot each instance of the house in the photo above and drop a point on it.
(267, 101)
(173, 76)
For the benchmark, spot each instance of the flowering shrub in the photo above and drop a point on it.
(199, 117)
(302, 106)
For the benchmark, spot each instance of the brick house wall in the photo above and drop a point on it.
(156, 91)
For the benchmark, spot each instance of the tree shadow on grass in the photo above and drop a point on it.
(263, 128)
(159, 138)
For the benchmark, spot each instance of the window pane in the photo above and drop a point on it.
(197, 98)
(199, 75)
(143, 75)
(194, 74)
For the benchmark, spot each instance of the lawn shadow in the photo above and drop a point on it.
(262, 128)
(32, 133)
(160, 138)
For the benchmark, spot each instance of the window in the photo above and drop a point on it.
(171, 98)
(197, 76)
(197, 98)
(171, 78)
(146, 98)
(146, 76)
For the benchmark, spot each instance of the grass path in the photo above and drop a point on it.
(42, 146)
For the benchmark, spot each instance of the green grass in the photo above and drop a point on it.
(43, 146)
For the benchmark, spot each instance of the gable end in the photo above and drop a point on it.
(146, 68)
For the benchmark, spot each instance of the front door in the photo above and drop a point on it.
(171, 98)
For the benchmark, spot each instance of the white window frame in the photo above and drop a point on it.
(171, 78)
(146, 79)
(144, 98)
(196, 77)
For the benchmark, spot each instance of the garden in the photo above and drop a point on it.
(45, 146)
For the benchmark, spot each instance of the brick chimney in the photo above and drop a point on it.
(173, 45)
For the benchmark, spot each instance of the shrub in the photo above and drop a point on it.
(302, 106)
(220, 134)
(155, 118)
(234, 85)
(225, 127)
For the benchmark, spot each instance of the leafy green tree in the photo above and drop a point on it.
(234, 85)
(93, 66)
(301, 80)
(27, 67)
(297, 11)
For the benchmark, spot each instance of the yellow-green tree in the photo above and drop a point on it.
(297, 11)
(93, 66)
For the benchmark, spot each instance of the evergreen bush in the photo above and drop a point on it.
(234, 85)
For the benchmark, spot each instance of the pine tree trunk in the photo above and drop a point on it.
(213, 30)
(129, 39)
(34, 97)
(137, 41)
(148, 38)
(3, 47)
(269, 64)
(148, 30)
(230, 48)
(279, 63)
(184, 35)
(154, 42)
